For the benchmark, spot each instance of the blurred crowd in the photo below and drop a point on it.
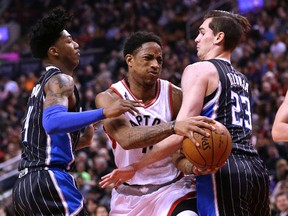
(104, 25)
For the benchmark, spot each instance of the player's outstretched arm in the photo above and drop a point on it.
(130, 137)
(163, 149)
(121, 106)
(57, 119)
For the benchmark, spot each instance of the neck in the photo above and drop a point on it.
(219, 54)
(224, 56)
(60, 67)
(142, 92)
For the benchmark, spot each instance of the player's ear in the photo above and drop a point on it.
(53, 51)
(129, 59)
(219, 37)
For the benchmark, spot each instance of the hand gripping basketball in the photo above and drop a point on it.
(213, 151)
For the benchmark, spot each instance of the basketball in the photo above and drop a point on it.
(213, 151)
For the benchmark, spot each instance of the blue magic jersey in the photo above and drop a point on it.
(230, 105)
(38, 148)
(241, 186)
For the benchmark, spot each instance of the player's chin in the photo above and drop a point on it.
(150, 83)
(152, 79)
(76, 61)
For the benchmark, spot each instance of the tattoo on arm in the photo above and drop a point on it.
(188, 167)
(143, 137)
(58, 89)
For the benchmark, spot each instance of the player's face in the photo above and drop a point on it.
(204, 40)
(146, 64)
(68, 50)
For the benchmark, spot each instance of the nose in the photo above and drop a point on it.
(155, 63)
(197, 39)
(76, 45)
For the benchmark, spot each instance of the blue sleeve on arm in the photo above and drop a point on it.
(57, 119)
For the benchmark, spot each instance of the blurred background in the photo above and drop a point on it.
(100, 27)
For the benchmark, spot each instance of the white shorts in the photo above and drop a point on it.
(158, 203)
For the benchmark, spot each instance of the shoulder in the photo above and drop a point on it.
(176, 99)
(106, 97)
(199, 73)
(201, 68)
(176, 91)
(173, 89)
(60, 82)
(61, 79)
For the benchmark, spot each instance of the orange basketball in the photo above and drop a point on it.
(213, 151)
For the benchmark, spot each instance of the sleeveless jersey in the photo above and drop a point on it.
(157, 111)
(38, 148)
(241, 186)
(230, 105)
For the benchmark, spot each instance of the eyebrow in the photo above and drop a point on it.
(201, 28)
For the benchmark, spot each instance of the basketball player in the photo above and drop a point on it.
(52, 125)
(159, 189)
(212, 87)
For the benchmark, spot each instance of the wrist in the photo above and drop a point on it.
(189, 168)
(103, 113)
(172, 128)
(135, 166)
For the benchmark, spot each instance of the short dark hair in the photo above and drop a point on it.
(136, 40)
(47, 31)
(233, 25)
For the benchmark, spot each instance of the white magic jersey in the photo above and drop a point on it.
(157, 111)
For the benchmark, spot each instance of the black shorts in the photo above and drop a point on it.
(47, 192)
(239, 188)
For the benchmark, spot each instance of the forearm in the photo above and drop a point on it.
(144, 136)
(57, 119)
(160, 151)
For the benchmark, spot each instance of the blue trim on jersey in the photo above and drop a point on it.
(205, 195)
(72, 196)
(61, 150)
(204, 183)
(208, 111)
(57, 119)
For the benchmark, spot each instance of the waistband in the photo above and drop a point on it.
(26, 170)
(139, 190)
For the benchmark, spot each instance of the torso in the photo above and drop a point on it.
(230, 105)
(158, 110)
(38, 148)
